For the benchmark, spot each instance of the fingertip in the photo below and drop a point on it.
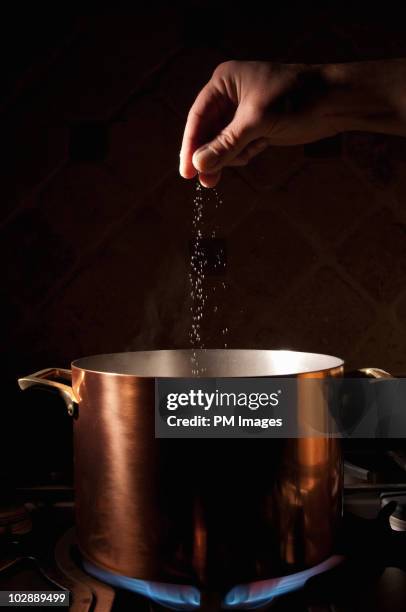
(209, 180)
(196, 161)
(206, 160)
(187, 174)
(187, 170)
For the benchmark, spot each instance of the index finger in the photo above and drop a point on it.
(200, 124)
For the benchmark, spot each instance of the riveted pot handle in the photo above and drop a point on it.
(51, 378)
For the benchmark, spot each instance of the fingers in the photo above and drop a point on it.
(250, 151)
(228, 144)
(209, 180)
(202, 118)
(222, 129)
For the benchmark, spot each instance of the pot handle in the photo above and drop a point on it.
(50, 377)
(375, 373)
(368, 373)
(349, 419)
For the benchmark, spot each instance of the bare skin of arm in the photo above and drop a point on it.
(248, 106)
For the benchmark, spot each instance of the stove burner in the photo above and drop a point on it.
(373, 553)
(185, 597)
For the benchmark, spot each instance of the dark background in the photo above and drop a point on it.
(96, 222)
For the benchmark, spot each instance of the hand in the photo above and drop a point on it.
(247, 106)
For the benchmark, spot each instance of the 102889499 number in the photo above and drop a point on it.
(34, 598)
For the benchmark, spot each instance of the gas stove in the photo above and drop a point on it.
(38, 552)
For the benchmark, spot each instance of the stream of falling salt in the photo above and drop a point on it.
(197, 277)
(198, 263)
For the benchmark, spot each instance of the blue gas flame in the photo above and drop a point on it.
(262, 593)
(173, 596)
(186, 597)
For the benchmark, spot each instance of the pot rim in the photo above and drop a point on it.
(252, 363)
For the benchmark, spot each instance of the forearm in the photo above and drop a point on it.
(366, 96)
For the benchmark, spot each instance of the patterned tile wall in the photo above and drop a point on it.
(96, 222)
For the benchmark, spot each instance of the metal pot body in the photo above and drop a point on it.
(208, 512)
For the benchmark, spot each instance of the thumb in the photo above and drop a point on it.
(226, 146)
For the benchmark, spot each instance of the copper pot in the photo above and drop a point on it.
(207, 512)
